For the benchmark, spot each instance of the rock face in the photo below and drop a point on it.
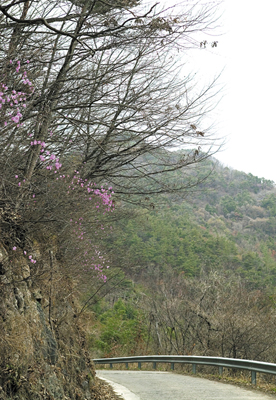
(42, 340)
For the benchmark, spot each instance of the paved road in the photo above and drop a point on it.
(152, 385)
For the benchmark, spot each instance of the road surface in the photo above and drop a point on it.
(153, 385)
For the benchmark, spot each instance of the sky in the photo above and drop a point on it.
(245, 57)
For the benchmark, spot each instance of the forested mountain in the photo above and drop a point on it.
(200, 272)
(227, 223)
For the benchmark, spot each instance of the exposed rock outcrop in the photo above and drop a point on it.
(43, 353)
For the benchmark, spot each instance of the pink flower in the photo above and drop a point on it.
(14, 248)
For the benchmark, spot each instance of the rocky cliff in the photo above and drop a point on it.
(43, 354)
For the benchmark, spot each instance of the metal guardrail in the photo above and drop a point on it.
(220, 362)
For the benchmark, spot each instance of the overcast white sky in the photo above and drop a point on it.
(247, 53)
(246, 114)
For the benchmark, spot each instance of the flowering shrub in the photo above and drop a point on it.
(49, 198)
(13, 101)
(86, 223)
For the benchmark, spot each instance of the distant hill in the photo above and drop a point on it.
(227, 223)
(200, 271)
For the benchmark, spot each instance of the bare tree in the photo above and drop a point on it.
(106, 85)
(213, 315)
(98, 91)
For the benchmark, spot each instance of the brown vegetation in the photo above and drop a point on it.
(43, 345)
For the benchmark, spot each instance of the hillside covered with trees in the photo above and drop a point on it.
(227, 223)
(199, 273)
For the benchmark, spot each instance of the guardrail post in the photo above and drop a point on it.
(194, 368)
(139, 365)
(220, 370)
(126, 364)
(172, 366)
(154, 365)
(253, 378)
(111, 365)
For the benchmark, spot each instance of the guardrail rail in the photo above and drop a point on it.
(220, 362)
